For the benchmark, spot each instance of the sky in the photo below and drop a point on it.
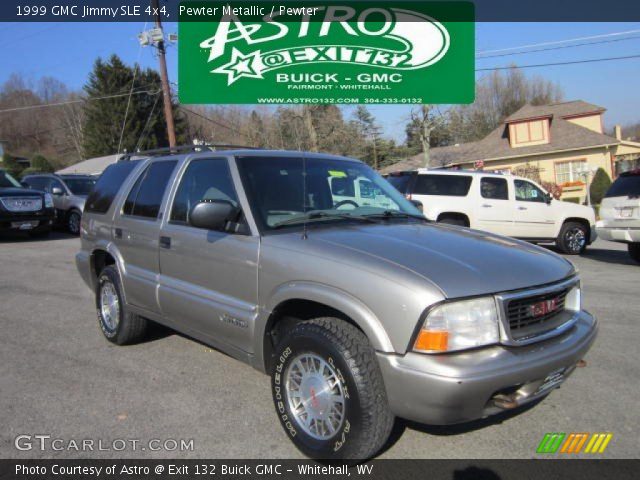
(67, 52)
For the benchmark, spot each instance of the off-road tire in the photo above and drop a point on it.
(564, 243)
(634, 251)
(130, 328)
(70, 222)
(367, 420)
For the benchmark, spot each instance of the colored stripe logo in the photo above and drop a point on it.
(574, 443)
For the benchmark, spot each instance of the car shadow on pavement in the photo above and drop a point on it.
(620, 257)
(15, 237)
(401, 425)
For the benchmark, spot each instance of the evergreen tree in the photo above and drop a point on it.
(145, 125)
(599, 186)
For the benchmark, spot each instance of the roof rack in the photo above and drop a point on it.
(182, 149)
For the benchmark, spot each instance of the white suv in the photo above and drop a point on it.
(503, 204)
(620, 213)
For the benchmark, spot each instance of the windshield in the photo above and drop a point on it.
(80, 186)
(7, 181)
(625, 186)
(331, 190)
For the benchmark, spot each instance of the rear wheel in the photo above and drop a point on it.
(572, 239)
(117, 325)
(328, 391)
(73, 222)
(634, 251)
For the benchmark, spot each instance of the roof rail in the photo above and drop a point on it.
(181, 149)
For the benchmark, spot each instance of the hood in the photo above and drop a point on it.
(460, 261)
(19, 192)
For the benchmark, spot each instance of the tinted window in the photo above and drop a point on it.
(452, 185)
(625, 186)
(107, 186)
(528, 192)
(7, 181)
(207, 179)
(342, 187)
(494, 188)
(80, 186)
(146, 195)
(400, 182)
(36, 183)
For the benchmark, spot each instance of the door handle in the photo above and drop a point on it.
(117, 232)
(522, 208)
(486, 205)
(165, 242)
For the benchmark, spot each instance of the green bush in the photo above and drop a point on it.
(599, 186)
(572, 199)
(40, 164)
(10, 164)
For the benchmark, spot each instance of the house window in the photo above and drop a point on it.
(568, 172)
(529, 132)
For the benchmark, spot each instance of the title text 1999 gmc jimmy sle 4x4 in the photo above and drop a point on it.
(360, 313)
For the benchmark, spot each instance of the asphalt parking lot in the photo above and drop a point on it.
(60, 377)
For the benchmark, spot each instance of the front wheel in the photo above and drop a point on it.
(328, 391)
(572, 239)
(73, 222)
(634, 251)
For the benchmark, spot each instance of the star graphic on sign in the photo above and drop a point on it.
(240, 66)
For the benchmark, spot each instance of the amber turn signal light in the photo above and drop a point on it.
(432, 340)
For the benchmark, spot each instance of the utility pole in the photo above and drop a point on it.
(166, 91)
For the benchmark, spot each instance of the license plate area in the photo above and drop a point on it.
(551, 381)
(24, 225)
(625, 212)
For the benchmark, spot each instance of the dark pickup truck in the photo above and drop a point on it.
(25, 210)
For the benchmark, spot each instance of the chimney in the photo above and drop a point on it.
(617, 132)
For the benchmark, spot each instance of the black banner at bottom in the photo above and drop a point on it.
(583, 469)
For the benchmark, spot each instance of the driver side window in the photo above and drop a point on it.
(206, 179)
(528, 192)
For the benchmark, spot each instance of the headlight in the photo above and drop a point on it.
(459, 325)
(48, 200)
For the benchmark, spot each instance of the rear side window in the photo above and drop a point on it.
(400, 182)
(625, 186)
(494, 188)
(450, 185)
(145, 197)
(108, 185)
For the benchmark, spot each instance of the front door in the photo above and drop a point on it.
(494, 211)
(136, 231)
(208, 279)
(533, 215)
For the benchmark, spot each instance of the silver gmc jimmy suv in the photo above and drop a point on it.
(358, 308)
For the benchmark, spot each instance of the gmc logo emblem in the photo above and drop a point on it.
(542, 308)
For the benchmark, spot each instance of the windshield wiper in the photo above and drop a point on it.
(397, 214)
(319, 215)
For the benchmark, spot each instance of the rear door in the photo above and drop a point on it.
(620, 206)
(494, 212)
(209, 279)
(137, 230)
(534, 217)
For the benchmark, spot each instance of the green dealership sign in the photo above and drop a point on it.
(390, 52)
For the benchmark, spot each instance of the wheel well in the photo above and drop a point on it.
(288, 314)
(583, 222)
(99, 260)
(454, 215)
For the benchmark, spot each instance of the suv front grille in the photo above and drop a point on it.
(22, 204)
(535, 315)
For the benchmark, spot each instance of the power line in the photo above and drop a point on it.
(559, 47)
(559, 42)
(69, 102)
(215, 122)
(591, 60)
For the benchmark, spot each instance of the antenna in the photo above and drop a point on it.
(304, 196)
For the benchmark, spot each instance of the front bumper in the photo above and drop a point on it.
(460, 387)
(44, 219)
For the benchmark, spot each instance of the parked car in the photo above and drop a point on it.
(620, 213)
(22, 209)
(503, 204)
(69, 194)
(359, 313)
